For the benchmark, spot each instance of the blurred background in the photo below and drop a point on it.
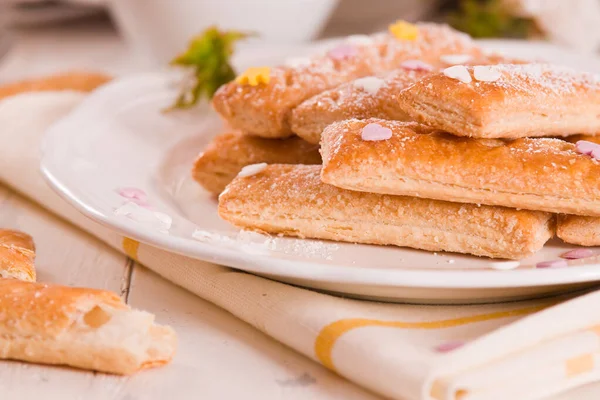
(155, 30)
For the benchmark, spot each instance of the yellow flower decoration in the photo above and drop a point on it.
(404, 31)
(255, 76)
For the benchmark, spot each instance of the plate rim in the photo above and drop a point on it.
(298, 269)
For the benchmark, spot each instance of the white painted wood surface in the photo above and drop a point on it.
(220, 357)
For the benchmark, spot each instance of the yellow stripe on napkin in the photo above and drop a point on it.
(330, 334)
(579, 365)
(130, 247)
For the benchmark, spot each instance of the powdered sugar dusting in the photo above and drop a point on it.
(546, 78)
(261, 244)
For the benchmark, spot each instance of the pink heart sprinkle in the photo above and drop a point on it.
(596, 153)
(416, 65)
(577, 253)
(448, 346)
(132, 193)
(374, 132)
(342, 52)
(585, 147)
(135, 195)
(552, 264)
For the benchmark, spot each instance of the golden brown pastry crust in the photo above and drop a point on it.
(17, 255)
(229, 152)
(536, 174)
(292, 200)
(528, 100)
(83, 328)
(346, 101)
(577, 229)
(264, 110)
(77, 81)
(350, 100)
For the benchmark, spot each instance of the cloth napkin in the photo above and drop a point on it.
(518, 350)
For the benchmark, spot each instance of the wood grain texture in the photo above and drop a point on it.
(215, 350)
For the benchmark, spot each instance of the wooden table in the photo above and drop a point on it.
(220, 357)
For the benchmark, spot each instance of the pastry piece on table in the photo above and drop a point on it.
(408, 159)
(83, 328)
(577, 229)
(229, 152)
(260, 101)
(370, 97)
(292, 200)
(17, 255)
(77, 81)
(506, 101)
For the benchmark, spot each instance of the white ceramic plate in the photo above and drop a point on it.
(119, 138)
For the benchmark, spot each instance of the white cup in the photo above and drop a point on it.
(159, 29)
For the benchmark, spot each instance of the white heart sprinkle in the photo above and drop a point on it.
(455, 59)
(370, 84)
(458, 72)
(505, 265)
(202, 235)
(252, 169)
(359, 40)
(164, 218)
(297, 62)
(152, 219)
(486, 74)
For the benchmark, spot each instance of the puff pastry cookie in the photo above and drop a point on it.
(83, 328)
(362, 98)
(229, 152)
(292, 200)
(17, 255)
(510, 101)
(577, 229)
(537, 174)
(77, 81)
(370, 97)
(264, 109)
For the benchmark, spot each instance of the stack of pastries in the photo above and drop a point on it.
(415, 137)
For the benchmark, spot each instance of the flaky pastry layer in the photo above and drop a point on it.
(229, 152)
(292, 200)
(346, 101)
(17, 255)
(577, 229)
(526, 101)
(351, 100)
(536, 174)
(264, 110)
(79, 327)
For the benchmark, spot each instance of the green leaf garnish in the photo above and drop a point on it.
(208, 57)
(489, 18)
